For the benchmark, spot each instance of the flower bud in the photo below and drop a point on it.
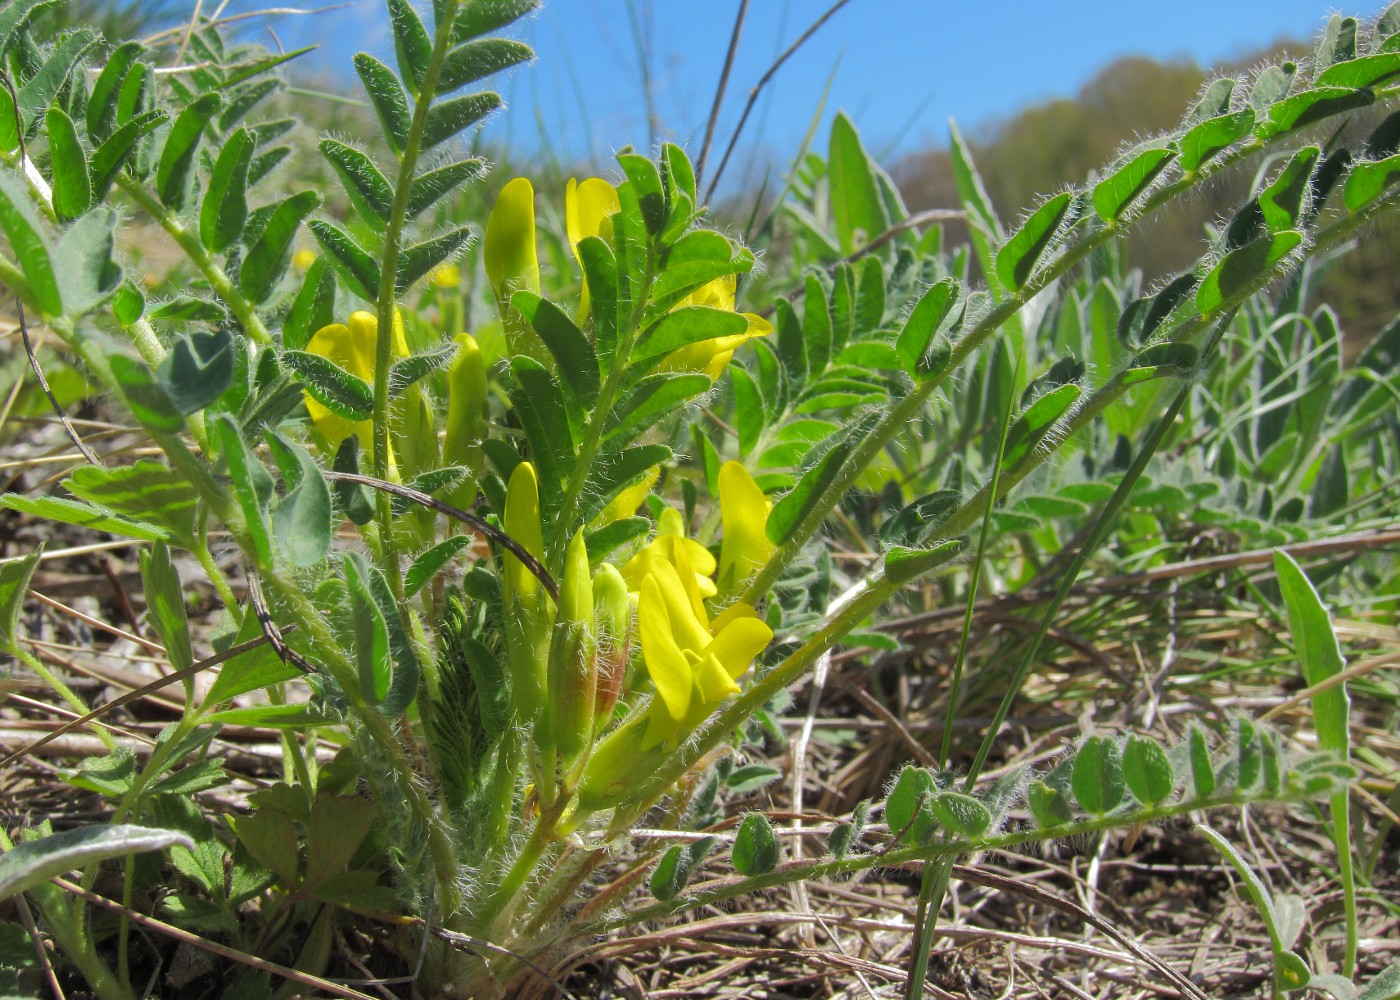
(467, 417)
(512, 263)
(527, 624)
(613, 614)
(573, 672)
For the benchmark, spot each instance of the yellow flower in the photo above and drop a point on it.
(509, 246)
(670, 546)
(303, 259)
(744, 510)
(710, 356)
(352, 346)
(588, 205)
(694, 663)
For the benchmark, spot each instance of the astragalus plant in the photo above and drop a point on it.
(536, 599)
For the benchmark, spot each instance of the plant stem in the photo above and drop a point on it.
(63, 690)
(596, 419)
(188, 241)
(386, 304)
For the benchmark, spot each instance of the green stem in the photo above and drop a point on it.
(593, 437)
(508, 890)
(63, 691)
(379, 730)
(217, 578)
(386, 304)
(188, 241)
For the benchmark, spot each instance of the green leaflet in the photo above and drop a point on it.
(175, 172)
(418, 259)
(1097, 776)
(428, 564)
(109, 157)
(72, 189)
(577, 361)
(1212, 137)
(83, 515)
(687, 325)
(412, 44)
(15, 575)
(371, 635)
(614, 473)
(1146, 770)
(1017, 258)
(366, 184)
(26, 235)
(388, 97)
(166, 601)
(920, 353)
(34, 862)
(1318, 651)
(252, 485)
(789, 512)
(755, 850)
(1368, 181)
(355, 265)
(267, 259)
(198, 369)
(475, 60)
(146, 491)
(905, 564)
(448, 118)
(301, 519)
(1241, 271)
(1281, 203)
(1115, 194)
(224, 210)
(428, 187)
(410, 370)
(651, 398)
(1309, 107)
(1036, 421)
(856, 205)
(342, 393)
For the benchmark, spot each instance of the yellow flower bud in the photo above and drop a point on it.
(468, 416)
(527, 623)
(573, 675)
(613, 615)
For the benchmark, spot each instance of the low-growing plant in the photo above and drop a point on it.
(543, 581)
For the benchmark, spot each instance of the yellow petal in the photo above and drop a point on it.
(667, 665)
(689, 625)
(713, 682)
(522, 523)
(744, 510)
(587, 206)
(303, 259)
(509, 246)
(736, 645)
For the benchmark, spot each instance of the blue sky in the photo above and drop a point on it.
(900, 68)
